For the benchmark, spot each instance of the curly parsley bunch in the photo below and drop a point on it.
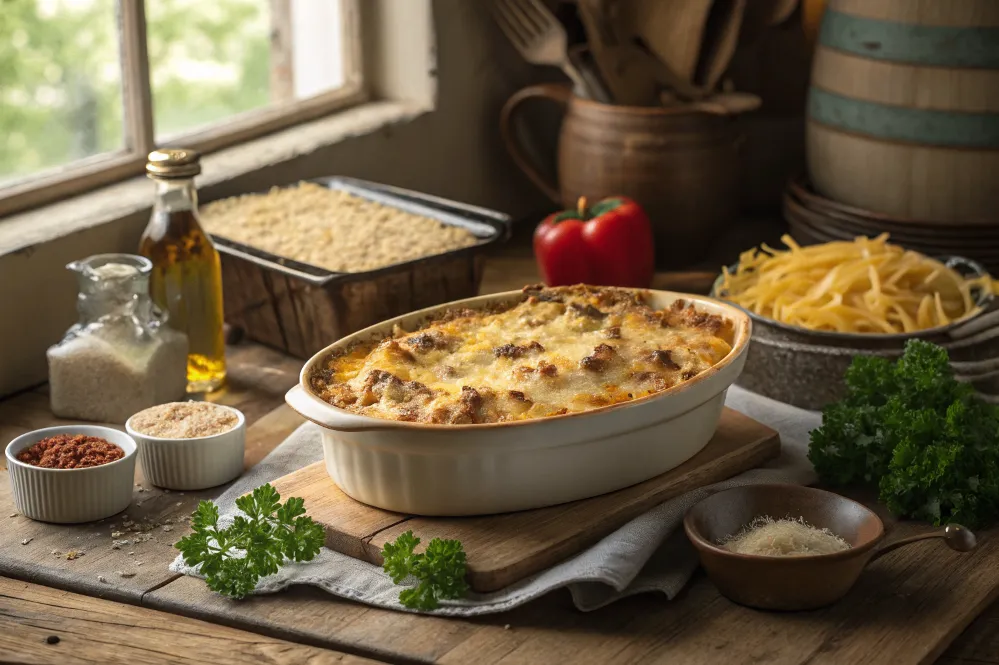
(919, 435)
(233, 559)
(439, 571)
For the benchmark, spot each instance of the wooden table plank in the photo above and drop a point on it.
(312, 616)
(978, 645)
(273, 427)
(103, 632)
(891, 616)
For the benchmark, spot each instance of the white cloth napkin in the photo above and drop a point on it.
(649, 553)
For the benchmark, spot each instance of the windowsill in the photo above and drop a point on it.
(223, 170)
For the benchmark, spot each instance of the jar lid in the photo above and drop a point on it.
(173, 163)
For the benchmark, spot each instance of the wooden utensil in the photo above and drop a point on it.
(675, 85)
(672, 29)
(794, 583)
(781, 11)
(582, 57)
(725, 103)
(624, 68)
(538, 36)
(763, 14)
(721, 36)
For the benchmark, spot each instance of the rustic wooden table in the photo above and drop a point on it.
(133, 619)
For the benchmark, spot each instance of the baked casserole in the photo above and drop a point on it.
(556, 351)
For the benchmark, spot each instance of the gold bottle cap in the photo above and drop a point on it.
(173, 163)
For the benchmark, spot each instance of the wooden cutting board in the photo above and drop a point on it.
(503, 549)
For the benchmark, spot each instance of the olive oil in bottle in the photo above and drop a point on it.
(186, 280)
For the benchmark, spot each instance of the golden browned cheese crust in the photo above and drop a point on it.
(560, 350)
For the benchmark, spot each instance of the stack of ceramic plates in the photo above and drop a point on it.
(815, 219)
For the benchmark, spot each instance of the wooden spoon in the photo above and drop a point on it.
(624, 68)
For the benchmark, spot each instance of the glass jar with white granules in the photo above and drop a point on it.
(120, 358)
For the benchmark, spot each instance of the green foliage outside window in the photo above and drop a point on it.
(60, 77)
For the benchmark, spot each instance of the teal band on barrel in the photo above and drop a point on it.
(898, 123)
(929, 45)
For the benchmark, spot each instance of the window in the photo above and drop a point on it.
(89, 87)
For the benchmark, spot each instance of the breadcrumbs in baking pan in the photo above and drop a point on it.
(330, 229)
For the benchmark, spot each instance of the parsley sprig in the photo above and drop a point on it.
(233, 559)
(440, 570)
(923, 438)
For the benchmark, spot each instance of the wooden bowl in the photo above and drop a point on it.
(802, 189)
(814, 220)
(842, 226)
(782, 583)
(793, 583)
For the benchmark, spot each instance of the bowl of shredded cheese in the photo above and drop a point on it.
(788, 547)
(783, 547)
(816, 307)
(867, 287)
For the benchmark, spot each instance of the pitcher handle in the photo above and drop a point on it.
(556, 93)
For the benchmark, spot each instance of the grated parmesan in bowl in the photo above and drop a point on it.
(765, 536)
(330, 228)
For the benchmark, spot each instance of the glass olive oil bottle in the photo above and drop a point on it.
(186, 281)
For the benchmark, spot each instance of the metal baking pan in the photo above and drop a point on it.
(489, 226)
(300, 308)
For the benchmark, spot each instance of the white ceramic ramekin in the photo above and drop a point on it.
(423, 469)
(70, 496)
(192, 464)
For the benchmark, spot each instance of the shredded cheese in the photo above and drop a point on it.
(864, 286)
(765, 536)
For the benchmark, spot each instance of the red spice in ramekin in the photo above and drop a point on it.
(71, 451)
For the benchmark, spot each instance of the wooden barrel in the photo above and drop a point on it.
(903, 110)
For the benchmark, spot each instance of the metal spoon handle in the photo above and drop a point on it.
(956, 536)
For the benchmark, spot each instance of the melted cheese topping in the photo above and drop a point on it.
(560, 350)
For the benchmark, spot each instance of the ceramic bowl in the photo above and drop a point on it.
(805, 367)
(801, 582)
(192, 464)
(70, 496)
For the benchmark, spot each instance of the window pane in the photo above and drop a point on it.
(60, 84)
(212, 60)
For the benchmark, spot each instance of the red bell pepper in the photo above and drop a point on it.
(608, 244)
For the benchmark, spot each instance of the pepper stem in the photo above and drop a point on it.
(581, 208)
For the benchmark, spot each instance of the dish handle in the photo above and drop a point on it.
(957, 537)
(323, 414)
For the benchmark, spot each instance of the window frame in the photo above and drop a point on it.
(90, 173)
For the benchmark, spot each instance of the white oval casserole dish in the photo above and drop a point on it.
(425, 469)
